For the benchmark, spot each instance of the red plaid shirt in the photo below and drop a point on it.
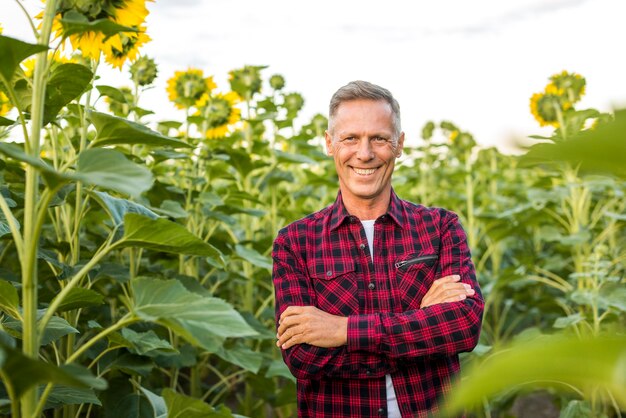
(323, 260)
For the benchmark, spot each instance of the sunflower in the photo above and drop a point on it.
(5, 104)
(124, 46)
(117, 48)
(186, 88)
(546, 106)
(569, 85)
(220, 113)
(246, 81)
(144, 71)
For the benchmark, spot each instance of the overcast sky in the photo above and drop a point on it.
(475, 63)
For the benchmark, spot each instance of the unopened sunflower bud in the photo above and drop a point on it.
(277, 82)
(144, 71)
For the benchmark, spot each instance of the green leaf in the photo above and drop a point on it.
(577, 409)
(56, 328)
(112, 170)
(113, 130)
(67, 82)
(147, 343)
(75, 23)
(157, 403)
(172, 209)
(567, 321)
(254, 257)
(6, 122)
(242, 356)
(164, 235)
(582, 363)
(279, 368)
(118, 208)
(12, 52)
(22, 373)
(112, 92)
(614, 295)
(133, 406)
(65, 395)
(9, 299)
(286, 157)
(181, 406)
(49, 174)
(80, 297)
(203, 321)
(600, 150)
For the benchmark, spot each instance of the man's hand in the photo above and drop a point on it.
(310, 325)
(446, 289)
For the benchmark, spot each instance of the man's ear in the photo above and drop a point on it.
(329, 143)
(400, 145)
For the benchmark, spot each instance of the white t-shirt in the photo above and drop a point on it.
(393, 410)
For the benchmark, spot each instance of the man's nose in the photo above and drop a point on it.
(365, 151)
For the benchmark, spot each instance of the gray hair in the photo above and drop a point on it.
(356, 90)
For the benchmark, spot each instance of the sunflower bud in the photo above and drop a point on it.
(144, 71)
(293, 103)
(246, 81)
(277, 82)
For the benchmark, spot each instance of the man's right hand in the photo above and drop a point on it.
(447, 289)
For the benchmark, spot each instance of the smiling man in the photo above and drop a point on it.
(375, 296)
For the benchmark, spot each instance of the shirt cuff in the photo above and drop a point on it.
(364, 332)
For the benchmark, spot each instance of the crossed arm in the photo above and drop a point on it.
(310, 325)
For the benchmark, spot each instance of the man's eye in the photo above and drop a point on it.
(379, 139)
(349, 139)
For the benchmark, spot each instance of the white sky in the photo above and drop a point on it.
(475, 63)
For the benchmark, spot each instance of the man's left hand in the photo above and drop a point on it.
(310, 325)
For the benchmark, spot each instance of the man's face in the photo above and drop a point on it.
(363, 145)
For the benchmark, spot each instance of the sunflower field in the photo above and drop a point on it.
(135, 269)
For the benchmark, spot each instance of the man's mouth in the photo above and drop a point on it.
(364, 171)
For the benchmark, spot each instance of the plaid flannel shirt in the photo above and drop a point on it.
(323, 260)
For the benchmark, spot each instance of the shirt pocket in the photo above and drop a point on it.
(415, 274)
(336, 287)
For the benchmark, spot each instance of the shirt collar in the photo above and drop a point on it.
(339, 214)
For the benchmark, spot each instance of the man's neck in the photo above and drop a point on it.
(366, 209)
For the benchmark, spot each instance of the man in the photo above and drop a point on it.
(375, 296)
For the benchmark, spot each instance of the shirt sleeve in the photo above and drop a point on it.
(442, 329)
(293, 288)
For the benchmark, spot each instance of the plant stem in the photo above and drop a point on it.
(30, 336)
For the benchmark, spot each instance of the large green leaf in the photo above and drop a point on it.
(65, 395)
(583, 363)
(157, 403)
(22, 373)
(164, 235)
(118, 208)
(112, 170)
(254, 257)
(49, 174)
(203, 321)
(9, 299)
(600, 150)
(12, 52)
(6, 122)
(67, 82)
(242, 356)
(113, 130)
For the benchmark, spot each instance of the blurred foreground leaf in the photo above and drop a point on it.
(601, 150)
(586, 364)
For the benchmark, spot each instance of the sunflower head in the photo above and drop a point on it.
(124, 46)
(144, 70)
(546, 107)
(570, 85)
(5, 104)
(293, 103)
(277, 82)
(246, 81)
(54, 59)
(220, 112)
(186, 88)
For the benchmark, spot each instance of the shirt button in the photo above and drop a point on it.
(381, 411)
(371, 286)
(362, 246)
(368, 372)
(329, 273)
(383, 217)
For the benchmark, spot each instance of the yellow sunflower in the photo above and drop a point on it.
(5, 104)
(220, 113)
(133, 13)
(546, 106)
(570, 85)
(124, 46)
(186, 88)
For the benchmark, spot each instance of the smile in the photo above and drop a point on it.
(364, 171)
